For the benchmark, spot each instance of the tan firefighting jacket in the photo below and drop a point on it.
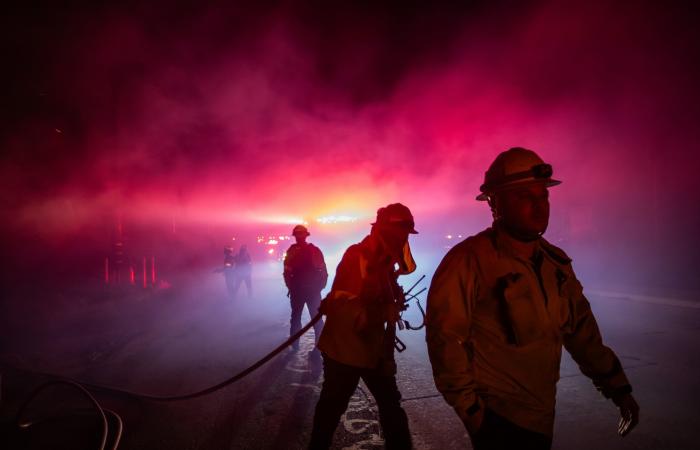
(364, 281)
(495, 329)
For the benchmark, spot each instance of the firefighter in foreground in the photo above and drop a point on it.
(501, 305)
(358, 339)
(305, 275)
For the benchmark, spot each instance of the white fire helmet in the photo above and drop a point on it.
(515, 167)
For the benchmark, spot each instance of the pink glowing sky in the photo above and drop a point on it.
(227, 114)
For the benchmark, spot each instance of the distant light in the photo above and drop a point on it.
(271, 251)
(459, 236)
(58, 131)
(286, 220)
(449, 236)
(336, 219)
(272, 242)
(233, 238)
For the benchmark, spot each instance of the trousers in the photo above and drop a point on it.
(498, 433)
(248, 285)
(339, 383)
(298, 298)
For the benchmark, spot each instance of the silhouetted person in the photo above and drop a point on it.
(501, 305)
(305, 275)
(243, 270)
(229, 270)
(358, 338)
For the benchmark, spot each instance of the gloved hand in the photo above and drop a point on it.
(323, 306)
(391, 312)
(629, 413)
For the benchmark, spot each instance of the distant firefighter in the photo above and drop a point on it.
(229, 270)
(305, 276)
(362, 310)
(243, 270)
(501, 305)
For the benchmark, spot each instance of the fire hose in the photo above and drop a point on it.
(102, 413)
(403, 323)
(224, 383)
(24, 424)
(259, 363)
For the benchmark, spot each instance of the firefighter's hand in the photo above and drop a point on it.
(473, 421)
(323, 306)
(392, 313)
(629, 413)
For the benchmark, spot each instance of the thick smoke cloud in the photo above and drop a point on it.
(238, 113)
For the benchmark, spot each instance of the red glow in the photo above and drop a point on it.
(153, 270)
(300, 124)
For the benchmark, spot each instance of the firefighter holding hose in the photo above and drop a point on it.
(362, 310)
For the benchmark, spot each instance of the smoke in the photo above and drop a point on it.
(246, 113)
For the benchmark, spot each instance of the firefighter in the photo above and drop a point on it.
(501, 305)
(243, 271)
(305, 275)
(229, 270)
(358, 339)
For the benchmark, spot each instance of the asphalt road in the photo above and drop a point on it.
(191, 336)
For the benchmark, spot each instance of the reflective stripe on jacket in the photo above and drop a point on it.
(495, 329)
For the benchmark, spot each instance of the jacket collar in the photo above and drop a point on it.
(504, 245)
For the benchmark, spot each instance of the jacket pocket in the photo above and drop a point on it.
(518, 310)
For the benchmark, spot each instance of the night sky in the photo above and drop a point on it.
(262, 112)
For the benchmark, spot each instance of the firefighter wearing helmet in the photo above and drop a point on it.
(501, 305)
(358, 338)
(305, 276)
